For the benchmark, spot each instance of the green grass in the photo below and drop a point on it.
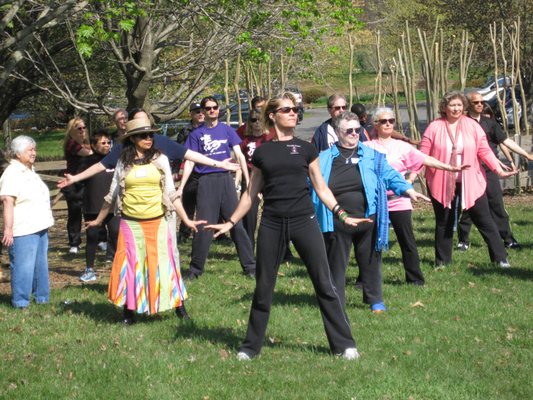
(49, 144)
(466, 335)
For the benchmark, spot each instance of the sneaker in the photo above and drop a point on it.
(378, 308)
(504, 264)
(242, 356)
(190, 276)
(462, 246)
(74, 250)
(513, 245)
(103, 246)
(88, 276)
(350, 354)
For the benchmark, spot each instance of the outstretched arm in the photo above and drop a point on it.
(70, 179)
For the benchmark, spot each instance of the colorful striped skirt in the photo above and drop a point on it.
(146, 273)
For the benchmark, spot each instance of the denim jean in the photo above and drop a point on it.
(29, 269)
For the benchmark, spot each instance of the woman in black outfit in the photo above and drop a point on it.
(280, 171)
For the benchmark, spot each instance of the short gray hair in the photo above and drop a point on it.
(21, 143)
(345, 116)
(382, 110)
(120, 111)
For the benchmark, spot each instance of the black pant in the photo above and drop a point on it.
(403, 227)
(217, 197)
(74, 198)
(188, 198)
(93, 235)
(497, 211)
(445, 220)
(272, 241)
(339, 245)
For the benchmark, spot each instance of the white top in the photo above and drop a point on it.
(32, 212)
(332, 136)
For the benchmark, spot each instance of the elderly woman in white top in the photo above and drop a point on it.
(27, 217)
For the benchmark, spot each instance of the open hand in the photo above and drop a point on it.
(219, 229)
(66, 181)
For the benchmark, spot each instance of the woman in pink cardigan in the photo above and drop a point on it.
(456, 139)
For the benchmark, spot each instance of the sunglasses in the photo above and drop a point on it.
(287, 110)
(352, 131)
(384, 121)
(108, 142)
(214, 108)
(252, 120)
(81, 128)
(146, 135)
(197, 111)
(477, 102)
(338, 108)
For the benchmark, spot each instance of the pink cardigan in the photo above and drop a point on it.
(434, 143)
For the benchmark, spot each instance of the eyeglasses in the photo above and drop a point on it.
(108, 142)
(81, 128)
(287, 110)
(146, 135)
(214, 108)
(352, 131)
(384, 121)
(477, 102)
(338, 108)
(197, 111)
(252, 120)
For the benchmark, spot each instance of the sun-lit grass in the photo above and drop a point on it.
(466, 335)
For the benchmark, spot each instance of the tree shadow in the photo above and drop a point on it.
(515, 273)
(5, 299)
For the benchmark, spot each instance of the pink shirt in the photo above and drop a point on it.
(403, 158)
(475, 148)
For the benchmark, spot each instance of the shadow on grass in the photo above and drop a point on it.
(515, 273)
(227, 337)
(5, 299)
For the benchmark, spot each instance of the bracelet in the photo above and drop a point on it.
(231, 222)
(343, 215)
(335, 208)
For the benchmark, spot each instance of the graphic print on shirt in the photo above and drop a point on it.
(294, 148)
(251, 148)
(211, 146)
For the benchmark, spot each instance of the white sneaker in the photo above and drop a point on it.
(242, 356)
(74, 250)
(88, 276)
(350, 354)
(103, 246)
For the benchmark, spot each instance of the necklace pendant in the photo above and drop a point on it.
(348, 160)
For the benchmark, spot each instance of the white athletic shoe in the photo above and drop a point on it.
(74, 250)
(242, 356)
(103, 246)
(350, 354)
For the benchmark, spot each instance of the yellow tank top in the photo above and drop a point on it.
(143, 198)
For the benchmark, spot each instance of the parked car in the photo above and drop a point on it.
(493, 103)
(299, 101)
(234, 110)
(488, 90)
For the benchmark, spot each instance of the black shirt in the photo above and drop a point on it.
(346, 184)
(285, 169)
(96, 187)
(495, 134)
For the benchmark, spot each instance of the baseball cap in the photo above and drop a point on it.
(194, 106)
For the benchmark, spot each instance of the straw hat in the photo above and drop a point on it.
(138, 126)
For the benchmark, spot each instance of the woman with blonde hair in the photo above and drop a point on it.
(75, 147)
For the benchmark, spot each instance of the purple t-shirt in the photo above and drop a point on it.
(215, 143)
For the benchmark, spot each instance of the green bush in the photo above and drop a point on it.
(312, 95)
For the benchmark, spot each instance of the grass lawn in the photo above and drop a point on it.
(466, 335)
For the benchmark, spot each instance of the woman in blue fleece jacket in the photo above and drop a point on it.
(359, 178)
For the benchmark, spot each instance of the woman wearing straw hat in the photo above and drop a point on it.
(145, 276)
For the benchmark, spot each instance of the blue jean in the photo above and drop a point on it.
(29, 269)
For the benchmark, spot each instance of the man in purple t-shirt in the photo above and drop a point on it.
(216, 196)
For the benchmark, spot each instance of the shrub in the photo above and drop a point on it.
(312, 95)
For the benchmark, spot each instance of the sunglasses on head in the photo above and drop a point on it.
(286, 110)
(146, 135)
(477, 102)
(384, 121)
(214, 108)
(338, 108)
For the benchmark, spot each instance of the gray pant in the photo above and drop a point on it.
(216, 198)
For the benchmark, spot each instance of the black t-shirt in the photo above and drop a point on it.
(285, 168)
(96, 187)
(346, 184)
(495, 135)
